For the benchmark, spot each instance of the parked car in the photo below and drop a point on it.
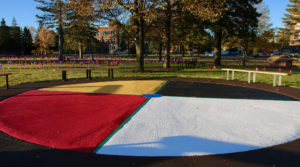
(224, 53)
(119, 52)
(210, 54)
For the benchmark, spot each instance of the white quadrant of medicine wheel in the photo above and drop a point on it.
(182, 126)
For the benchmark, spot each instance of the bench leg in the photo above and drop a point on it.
(7, 86)
(64, 75)
(108, 73)
(254, 77)
(227, 75)
(274, 81)
(249, 77)
(87, 73)
(90, 74)
(279, 80)
(112, 73)
(232, 75)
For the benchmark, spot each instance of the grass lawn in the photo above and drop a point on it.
(35, 72)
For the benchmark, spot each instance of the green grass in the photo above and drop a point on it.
(33, 73)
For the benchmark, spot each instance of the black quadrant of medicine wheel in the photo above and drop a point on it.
(210, 90)
(15, 152)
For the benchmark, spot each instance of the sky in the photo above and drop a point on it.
(24, 11)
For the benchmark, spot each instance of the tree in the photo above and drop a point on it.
(168, 14)
(80, 16)
(54, 16)
(47, 38)
(159, 28)
(15, 41)
(283, 37)
(265, 32)
(156, 41)
(204, 42)
(32, 31)
(134, 14)
(181, 18)
(248, 28)
(27, 41)
(206, 12)
(240, 19)
(4, 37)
(292, 20)
(14, 22)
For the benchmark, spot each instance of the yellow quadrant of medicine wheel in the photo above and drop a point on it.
(135, 87)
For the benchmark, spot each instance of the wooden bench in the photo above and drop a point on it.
(6, 76)
(190, 63)
(88, 71)
(279, 74)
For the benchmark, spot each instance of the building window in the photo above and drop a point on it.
(98, 34)
(112, 33)
(105, 33)
(112, 40)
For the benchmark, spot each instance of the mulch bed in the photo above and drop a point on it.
(15, 152)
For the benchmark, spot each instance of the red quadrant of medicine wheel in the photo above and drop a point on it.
(65, 120)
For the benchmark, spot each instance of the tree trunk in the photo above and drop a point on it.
(60, 43)
(182, 50)
(217, 47)
(80, 50)
(245, 53)
(128, 45)
(160, 51)
(192, 52)
(168, 35)
(60, 31)
(139, 45)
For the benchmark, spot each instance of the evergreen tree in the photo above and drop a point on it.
(80, 16)
(54, 16)
(16, 38)
(14, 22)
(27, 41)
(4, 37)
(292, 20)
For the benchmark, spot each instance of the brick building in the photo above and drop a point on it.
(109, 38)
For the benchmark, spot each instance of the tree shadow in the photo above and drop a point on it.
(176, 146)
(108, 89)
(33, 155)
